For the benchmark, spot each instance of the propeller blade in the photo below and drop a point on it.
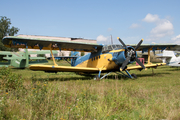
(140, 63)
(122, 42)
(140, 42)
(125, 63)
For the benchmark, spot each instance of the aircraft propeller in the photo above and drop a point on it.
(131, 55)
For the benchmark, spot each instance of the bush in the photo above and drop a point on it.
(10, 81)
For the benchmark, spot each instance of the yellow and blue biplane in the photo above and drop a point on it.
(100, 59)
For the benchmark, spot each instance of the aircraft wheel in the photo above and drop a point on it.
(96, 77)
(134, 75)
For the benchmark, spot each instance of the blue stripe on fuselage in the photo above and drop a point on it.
(87, 56)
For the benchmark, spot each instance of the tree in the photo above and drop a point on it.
(6, 30)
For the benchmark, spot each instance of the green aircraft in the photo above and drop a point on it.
(23, 59)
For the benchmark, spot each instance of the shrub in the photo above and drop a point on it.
(9, 80)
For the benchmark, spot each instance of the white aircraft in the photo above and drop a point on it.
(170, 58)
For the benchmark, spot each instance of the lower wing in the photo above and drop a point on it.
(50, 68)
(147, 66)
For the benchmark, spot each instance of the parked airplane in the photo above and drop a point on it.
(22, 59)
(170, 58)
(102, 58)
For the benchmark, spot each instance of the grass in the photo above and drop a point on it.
(70, 96)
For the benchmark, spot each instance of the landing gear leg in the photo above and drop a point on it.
(97, 77)
(105, 75)
(128, 74)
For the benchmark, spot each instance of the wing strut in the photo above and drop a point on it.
(50, 46)
(149, 56)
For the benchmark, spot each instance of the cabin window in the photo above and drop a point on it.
(109, 47)
(114, 46)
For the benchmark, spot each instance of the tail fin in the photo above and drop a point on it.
(74, 54)
(168, 53)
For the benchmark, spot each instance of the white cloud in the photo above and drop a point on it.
(176, 38)
(134, 25)
(163, 27)
(151, 18)
(101, 38)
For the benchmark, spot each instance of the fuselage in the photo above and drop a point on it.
(109, 59)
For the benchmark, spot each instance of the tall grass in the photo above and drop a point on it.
(49, 96)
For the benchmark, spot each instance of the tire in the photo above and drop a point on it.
(96, 77)
(134, 75)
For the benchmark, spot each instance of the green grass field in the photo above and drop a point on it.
(27, 94)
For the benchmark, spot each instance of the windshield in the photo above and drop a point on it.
(108, 48)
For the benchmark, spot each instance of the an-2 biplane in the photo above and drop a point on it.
(102, 58)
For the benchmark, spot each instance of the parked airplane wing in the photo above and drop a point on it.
(42, 52)
(161, 57)
(5, 53)
(46, 44)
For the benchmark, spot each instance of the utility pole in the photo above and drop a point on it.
(111, 40)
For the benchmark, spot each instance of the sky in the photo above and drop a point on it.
(156, 21)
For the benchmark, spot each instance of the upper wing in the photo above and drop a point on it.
(46, 44)
(145, 47)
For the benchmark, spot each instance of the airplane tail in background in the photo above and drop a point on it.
(74, 54)
(168, 55)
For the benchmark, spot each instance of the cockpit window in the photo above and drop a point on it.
(108, 48)
(114, 46)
